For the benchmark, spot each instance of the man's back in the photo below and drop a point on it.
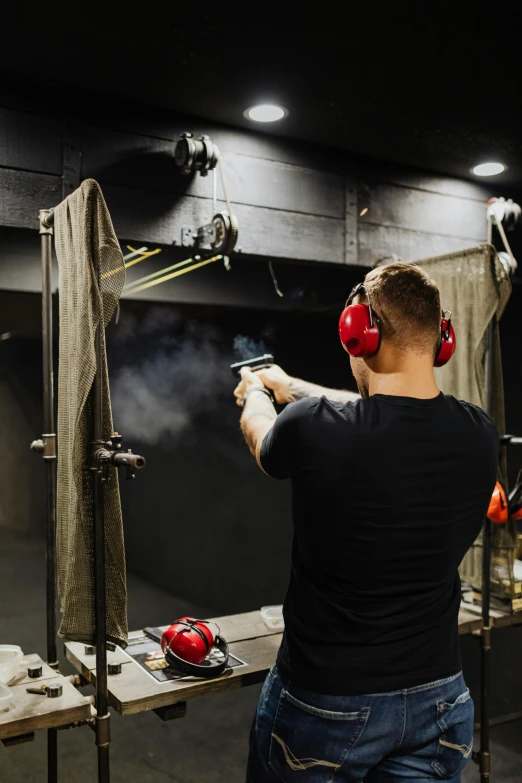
(388, 494)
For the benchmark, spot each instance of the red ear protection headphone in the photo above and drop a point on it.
(360, 335)
(186, 645)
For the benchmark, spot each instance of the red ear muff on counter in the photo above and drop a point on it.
(187, 644)
(360, 337)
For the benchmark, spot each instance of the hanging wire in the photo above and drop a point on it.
(224, 186)
(214, 193)
(274, 280)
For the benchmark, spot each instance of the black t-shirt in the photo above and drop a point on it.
(388, 494)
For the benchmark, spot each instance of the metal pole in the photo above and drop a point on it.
(48, 450)
(485, 756)
(100, 608)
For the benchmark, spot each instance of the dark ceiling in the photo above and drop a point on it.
(435, 85)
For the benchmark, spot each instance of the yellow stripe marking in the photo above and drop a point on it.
(464, 749)
(302, 764)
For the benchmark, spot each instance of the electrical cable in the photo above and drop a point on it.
(274, 280)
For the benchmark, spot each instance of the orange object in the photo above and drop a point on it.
(498, 507)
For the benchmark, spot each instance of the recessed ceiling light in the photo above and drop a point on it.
(266, 112)
(488, 169)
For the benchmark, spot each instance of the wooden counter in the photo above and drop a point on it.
(30, 712)
(249, 639)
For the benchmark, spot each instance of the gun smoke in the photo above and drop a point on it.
(170, 375)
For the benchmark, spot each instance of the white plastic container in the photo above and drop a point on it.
(5, 697)
(10, 657)
(273, 617)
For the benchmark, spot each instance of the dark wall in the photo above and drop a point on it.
(21, 476)
(202, 520)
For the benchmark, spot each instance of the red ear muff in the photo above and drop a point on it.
(359, 331)
(498, 508)
(189, 638)
(447, 343)
(186, 645)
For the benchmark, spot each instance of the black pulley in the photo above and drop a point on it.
(226, 230)
(193, 155)
(220, 235)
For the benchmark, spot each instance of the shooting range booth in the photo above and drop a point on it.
(172, 246)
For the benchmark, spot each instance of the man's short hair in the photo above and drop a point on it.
(407, 301)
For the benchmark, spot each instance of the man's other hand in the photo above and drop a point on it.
(248, 379)
(277, 380)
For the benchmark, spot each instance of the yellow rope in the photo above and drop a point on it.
(160, 272)
(171, 276)
(127, 264)
(145, 255)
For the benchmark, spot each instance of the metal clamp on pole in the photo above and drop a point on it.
(105, 453)
(46, 217)
(102, 728)
(46, 446)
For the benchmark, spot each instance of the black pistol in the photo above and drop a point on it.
(257, 363)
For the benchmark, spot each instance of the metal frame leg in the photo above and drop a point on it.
(100, 609)
(48, 450)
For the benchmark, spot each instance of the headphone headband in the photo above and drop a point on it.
(207, 669)
(354, 292)
(191, 624)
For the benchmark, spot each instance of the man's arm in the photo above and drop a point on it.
(258, 415)
(288, 389)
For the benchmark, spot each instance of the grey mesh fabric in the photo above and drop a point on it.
(92, 274)
(475, 287)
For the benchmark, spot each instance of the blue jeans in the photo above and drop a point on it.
(421, 734)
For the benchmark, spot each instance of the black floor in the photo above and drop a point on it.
(208, 746)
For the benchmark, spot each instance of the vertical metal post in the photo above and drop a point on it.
(485, 670)
(48, 450)
(100, 608)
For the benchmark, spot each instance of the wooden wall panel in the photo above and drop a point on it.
(23, 193)
(30, 141)
(419, 210)
(139, 161)
(146, 216)
(294, 201)
(376, 242)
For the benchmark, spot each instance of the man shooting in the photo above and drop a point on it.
(390, 489)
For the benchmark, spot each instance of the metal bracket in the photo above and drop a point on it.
(188, 236)
(10, 741)
(45, 227)
(102, 729)
(172, 711)
(46, 446)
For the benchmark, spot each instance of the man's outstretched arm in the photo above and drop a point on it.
(258, 415)
(288, 389)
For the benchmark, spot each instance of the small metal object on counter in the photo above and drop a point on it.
(89, 649)
(41, 691)
(54, 690)
(34, 670)
(114, 667)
